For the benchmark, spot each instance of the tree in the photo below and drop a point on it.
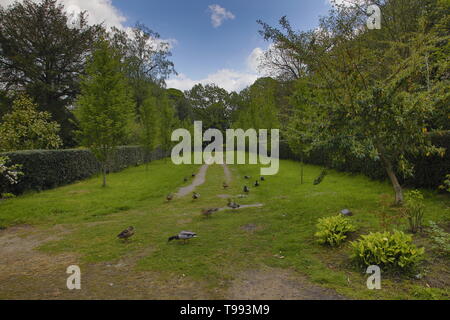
(211, 105)
(145, 59)
(181, 104)
(105, 106)
(150, 120)
(43, 53)
(376, 83)
(26, 128)
(169, 121)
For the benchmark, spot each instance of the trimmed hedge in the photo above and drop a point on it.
(429, 172)
(46, 169)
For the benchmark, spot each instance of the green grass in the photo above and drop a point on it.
(285, 224)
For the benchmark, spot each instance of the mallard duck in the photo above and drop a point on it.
(263, 179)
(126, 234)
(170, 197)
(225, 185)
(233, 205)
(246, 177)
(246, 189)
(208, 212)
(195, 195)
(183, 235)
(256, 183)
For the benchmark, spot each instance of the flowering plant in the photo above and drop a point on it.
(11, 173)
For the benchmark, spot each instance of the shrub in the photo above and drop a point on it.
(333, 230)
(415, 209)
(441, 240)
(10, 174)
(46, 169)
(388, 250)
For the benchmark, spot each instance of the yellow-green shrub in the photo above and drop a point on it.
(333, 230)
(390, 250)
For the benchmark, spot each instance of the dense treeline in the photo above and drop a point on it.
(343, 95)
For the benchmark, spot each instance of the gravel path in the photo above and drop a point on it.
(198, 181)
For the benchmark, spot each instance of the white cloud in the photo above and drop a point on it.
(219, 15)
(254, 59)
(230, 80)
(346, 3)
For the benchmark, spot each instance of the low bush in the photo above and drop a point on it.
(333, 230)
(387, 250)
(440, 239)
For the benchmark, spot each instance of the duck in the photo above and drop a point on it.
(263, 179)
(246, 177)
(126, 234)
(183, 235)
(195, 195)
(225, 185)
(170, 197)
(256, 183)
(208, 212)
(233, 205)
(193, 175)
(246, 189)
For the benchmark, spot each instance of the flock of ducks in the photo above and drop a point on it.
(186, 235)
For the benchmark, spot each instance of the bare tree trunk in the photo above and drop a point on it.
(104, 176)
(391, 174)
(301, 170)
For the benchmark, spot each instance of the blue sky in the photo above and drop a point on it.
(206, 52)
(223, 51)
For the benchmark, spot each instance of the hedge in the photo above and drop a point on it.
(429, 172)
(46, 169)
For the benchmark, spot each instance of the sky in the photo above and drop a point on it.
(212, 41)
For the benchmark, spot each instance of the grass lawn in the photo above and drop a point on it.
(79, 223)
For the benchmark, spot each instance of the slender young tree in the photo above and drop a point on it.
(105, 106)
(150, 121)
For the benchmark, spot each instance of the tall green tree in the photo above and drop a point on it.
(376, 83)
(42, 52)
(150, 121)
(105, 106)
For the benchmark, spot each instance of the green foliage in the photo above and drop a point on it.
(333, 230)
(210, 104)
(46, 169)
(105, 107)
(43, 54)
(364, 92)
(150, 121)
(446, 184)
(440, 238)
(387, 250)
(10, 174)
(415, 209)
(26, 128)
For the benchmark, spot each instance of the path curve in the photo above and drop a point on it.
(198, 181)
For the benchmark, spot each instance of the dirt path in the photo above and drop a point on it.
(277, 284)
(199, 179)
(227, 173)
